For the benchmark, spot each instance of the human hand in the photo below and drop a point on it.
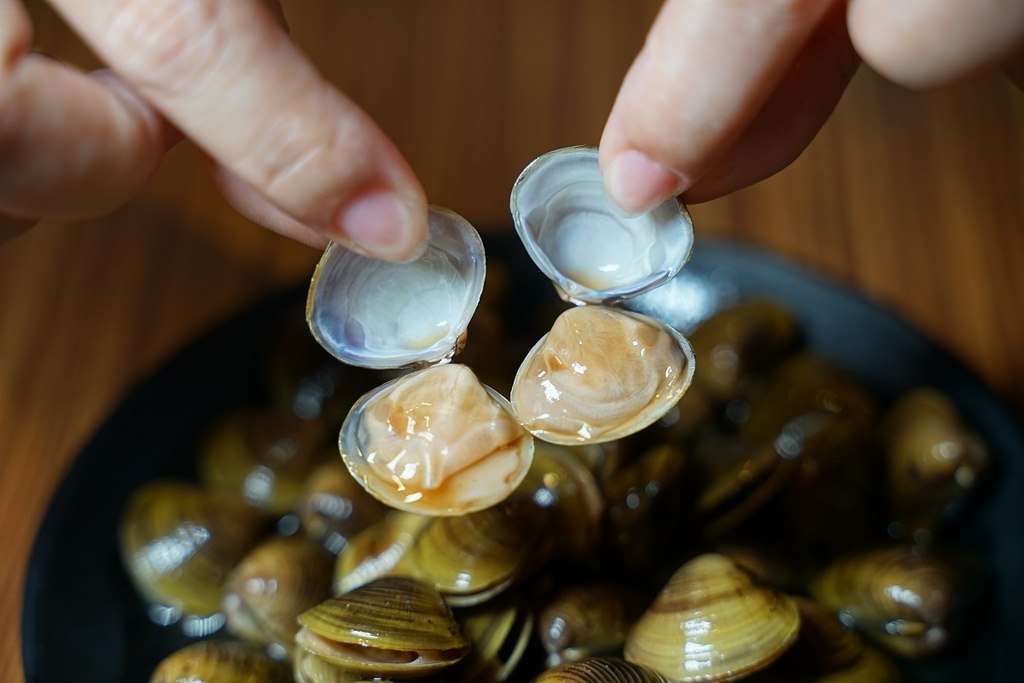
(726, 93)
(287, 149)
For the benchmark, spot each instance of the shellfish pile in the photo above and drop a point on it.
(767, 519)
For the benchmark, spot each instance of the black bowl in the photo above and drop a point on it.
(82, 621)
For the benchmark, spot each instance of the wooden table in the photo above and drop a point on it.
(917, 199)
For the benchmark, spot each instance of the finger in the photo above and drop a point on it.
(792, 115)
(230, 79)
(920, 43)
(71, 145)
(257, 208)
(15, 34)
(703, 73)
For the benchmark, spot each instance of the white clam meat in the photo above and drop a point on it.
(600, 374)
(584, 243)
(378, 314)
(436, 442)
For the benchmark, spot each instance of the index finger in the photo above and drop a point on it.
(231, 80)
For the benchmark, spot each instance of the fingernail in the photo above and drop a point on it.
(638, 184)
(382, 225)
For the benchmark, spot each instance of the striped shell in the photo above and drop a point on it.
(394, 626)
(712, 622)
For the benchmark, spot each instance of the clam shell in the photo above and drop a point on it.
(471, 558)
(601, 670)
(712, 622)
(909, 601)
(377, 550)
(436, 442)
(179, 543)
(378, 314)
(586, 620)
(220, 662)
(500, 631)
(600, 374)
(278, 580)
(584, 243)
(394, 626)
(333, 507)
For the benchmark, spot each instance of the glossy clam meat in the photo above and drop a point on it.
(587, 246)
(600, 374)
(436, 442)
(378, 314)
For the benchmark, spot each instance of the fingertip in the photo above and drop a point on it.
(15, 35)
(383, 224)
(637, 183)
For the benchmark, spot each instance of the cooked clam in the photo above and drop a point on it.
(932, 460)
(471, 558)
(436, 442)
(377, 550)
(586, 620)
(264, 455)
(217, 661)
(712, 622)
(179, 543)
(378, 314)
(600, 374)
(333, 507)
(909, 600)
(560, 481)
(394, 626)
(601, 670)
(278, 580)
(500, 632)
(583, 242)
(739, 342)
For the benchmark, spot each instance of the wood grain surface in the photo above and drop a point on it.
(915, 198)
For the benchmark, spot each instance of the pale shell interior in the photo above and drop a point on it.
(584, 243)
(378, 314)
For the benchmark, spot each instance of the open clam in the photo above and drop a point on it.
(584, 243)
(600, 374)
(377, 314)
(436, 442)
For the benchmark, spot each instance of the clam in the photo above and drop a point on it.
(377, 314)
(827, 652)
(377, 550)
(471, 558)
(600, 374)
(645, 508)
(560, 481)
(436, 442)
(909, 600)
(738, 342)
(601, 670)
(333, 507)
(309, 668)
(278, 580)
(712, 622)
(393, 626)
(215, 661)
(586, 620)
(583, 242)
(179, 543)
(500, 632)
(302, 378)
(264, 455)
(932, 460)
